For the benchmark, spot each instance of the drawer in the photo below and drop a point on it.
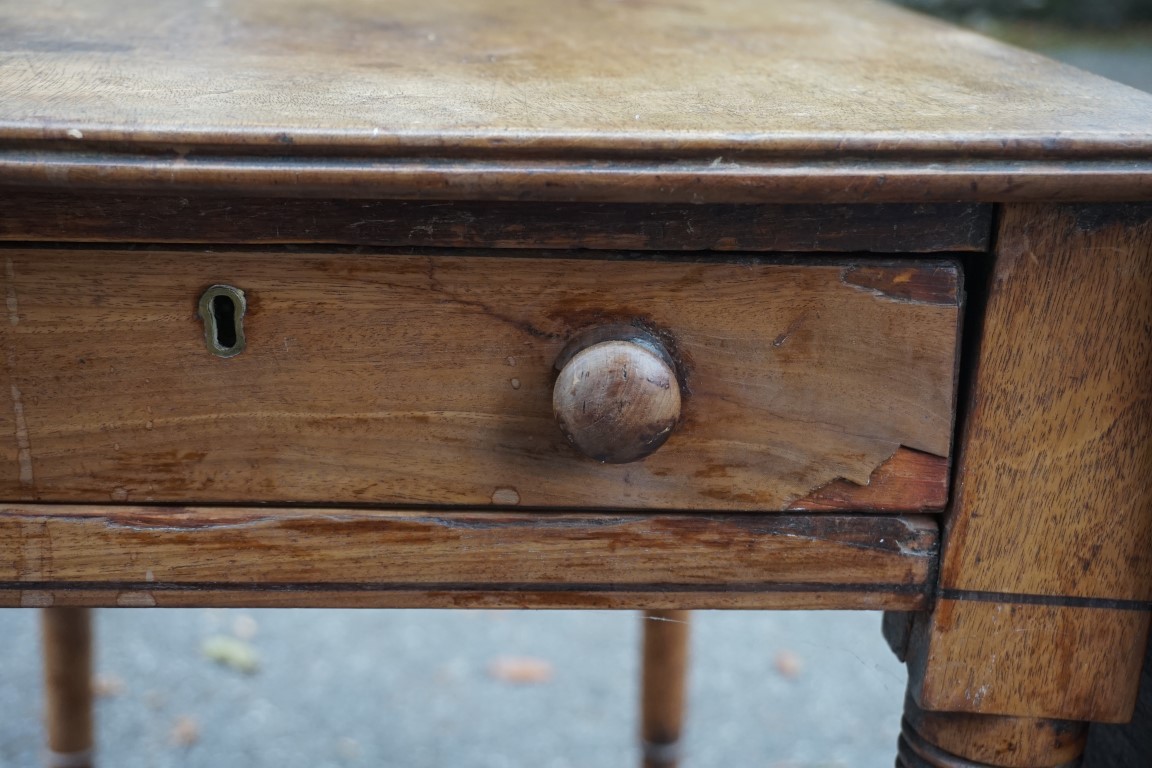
(431, 378)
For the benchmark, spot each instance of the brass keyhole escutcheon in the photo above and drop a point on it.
(222, 310)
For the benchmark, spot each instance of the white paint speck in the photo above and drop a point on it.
(506, 496)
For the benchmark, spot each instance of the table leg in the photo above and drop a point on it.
(1044, 594)
(665, 661)
(965, 740)
(67, 646)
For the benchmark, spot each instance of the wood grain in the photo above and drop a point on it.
(1029, 660)
(688, 101)
(509, 77)
(167, 556)
(1058, 442)
(1047, 570)
(42, 215)
(385, 378)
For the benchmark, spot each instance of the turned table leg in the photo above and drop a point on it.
(67, 646)
(665, 661)
(964, 740)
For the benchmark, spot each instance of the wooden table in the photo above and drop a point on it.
(336, 303)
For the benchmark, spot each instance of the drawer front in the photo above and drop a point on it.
(429, 379)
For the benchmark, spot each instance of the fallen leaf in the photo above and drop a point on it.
(521, 670)
(185, 732)
(788, 664)
(231, 652)
(107, 686)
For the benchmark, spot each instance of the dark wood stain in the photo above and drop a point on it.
(27, 215)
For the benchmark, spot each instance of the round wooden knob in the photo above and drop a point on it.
(618, 400)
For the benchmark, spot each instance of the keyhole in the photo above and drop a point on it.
(222, 311)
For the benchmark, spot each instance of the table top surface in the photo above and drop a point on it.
(679, 78)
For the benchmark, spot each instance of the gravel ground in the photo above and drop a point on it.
(346, 688)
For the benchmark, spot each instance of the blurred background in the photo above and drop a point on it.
(468, 689)
(1110, 37)
(472, 689)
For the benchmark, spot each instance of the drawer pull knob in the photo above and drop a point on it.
(222, 310)
(617, 400)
